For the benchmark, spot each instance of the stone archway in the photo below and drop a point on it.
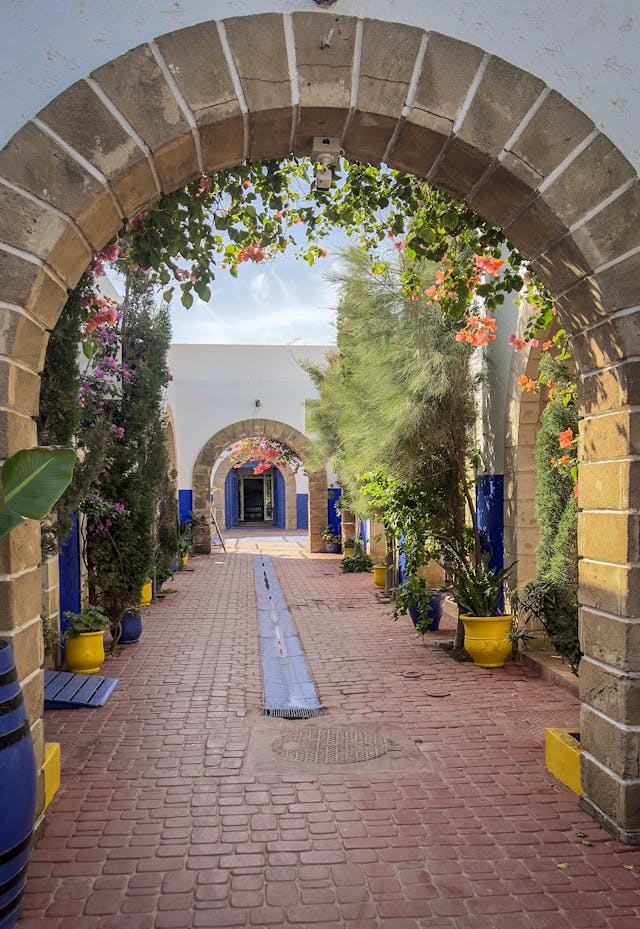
(520, 154)
(221, 475)
(297, 442)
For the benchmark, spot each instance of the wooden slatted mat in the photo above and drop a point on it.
(66, 691)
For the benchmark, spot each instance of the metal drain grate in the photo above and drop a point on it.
(333, 746)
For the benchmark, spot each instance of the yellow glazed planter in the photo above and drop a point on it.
(85, 653)
(183, 560)
(379, 575)
(146, 593)
(485, 639)
(348, 552)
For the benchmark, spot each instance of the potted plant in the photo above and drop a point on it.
(349, 546)
(479, 592)
(358, 561)
(129, 629)
(422, 603)
(331, 540)
(85, 639)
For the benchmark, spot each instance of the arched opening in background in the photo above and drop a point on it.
(204, 471)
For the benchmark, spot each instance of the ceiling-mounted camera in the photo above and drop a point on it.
(326, 152)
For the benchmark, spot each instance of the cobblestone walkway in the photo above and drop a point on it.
(182, 806)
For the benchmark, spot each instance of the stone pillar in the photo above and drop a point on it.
(609, 538)
(317, 509)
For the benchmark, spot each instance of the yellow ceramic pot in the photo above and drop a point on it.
(183, 560)
(379, 575)
(485, 639)
(146, 593)
(349, 552)
(85, 653)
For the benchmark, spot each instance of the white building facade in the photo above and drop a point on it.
(221, 394)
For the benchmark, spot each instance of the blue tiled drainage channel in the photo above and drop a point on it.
(289, 690)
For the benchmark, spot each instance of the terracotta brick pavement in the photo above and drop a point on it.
(175, 812)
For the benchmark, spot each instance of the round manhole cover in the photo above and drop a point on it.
(333, 746)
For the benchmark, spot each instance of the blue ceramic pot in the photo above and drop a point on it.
(131, 625)
(433, 612)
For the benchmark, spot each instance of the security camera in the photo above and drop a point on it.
(324, 176)
(326, 152)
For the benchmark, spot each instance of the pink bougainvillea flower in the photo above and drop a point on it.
(516, 342)
(575, 490)
(400, 245)
(431, 291)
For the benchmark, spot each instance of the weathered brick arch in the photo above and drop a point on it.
(261, 86)
(272, 429)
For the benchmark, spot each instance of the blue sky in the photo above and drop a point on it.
(277, 302)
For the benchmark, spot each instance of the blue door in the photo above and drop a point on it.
(232, 500)
(69, 570)
(279, 513)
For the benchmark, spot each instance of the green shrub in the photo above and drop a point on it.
(359, 561)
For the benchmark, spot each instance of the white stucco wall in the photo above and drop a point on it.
(587, 50)
(217, 385)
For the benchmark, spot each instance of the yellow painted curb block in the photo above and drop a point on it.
(51, 771)
(562, 757)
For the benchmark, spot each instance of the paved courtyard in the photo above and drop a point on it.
(182, 806)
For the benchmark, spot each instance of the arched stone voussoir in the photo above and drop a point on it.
(324, 49)
(84, 121)
(594, 175)
(446, 75)
(30, 226)
(136, 85)
(259, 49)
(195, 57)
(27, 284)
(387, 61)
(34, 161)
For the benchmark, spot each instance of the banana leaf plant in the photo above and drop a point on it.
(31, 482)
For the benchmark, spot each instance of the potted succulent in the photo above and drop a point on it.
(479, 592)
(331, 540)
(84, 639)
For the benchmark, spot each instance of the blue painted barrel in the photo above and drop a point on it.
(17, 790)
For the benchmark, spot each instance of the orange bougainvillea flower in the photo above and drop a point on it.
(431, 291)
(552, 461)
(575, 490)
(565, 438)
(547, 345)
(489, 265)
(522, 380)
(564, 459)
